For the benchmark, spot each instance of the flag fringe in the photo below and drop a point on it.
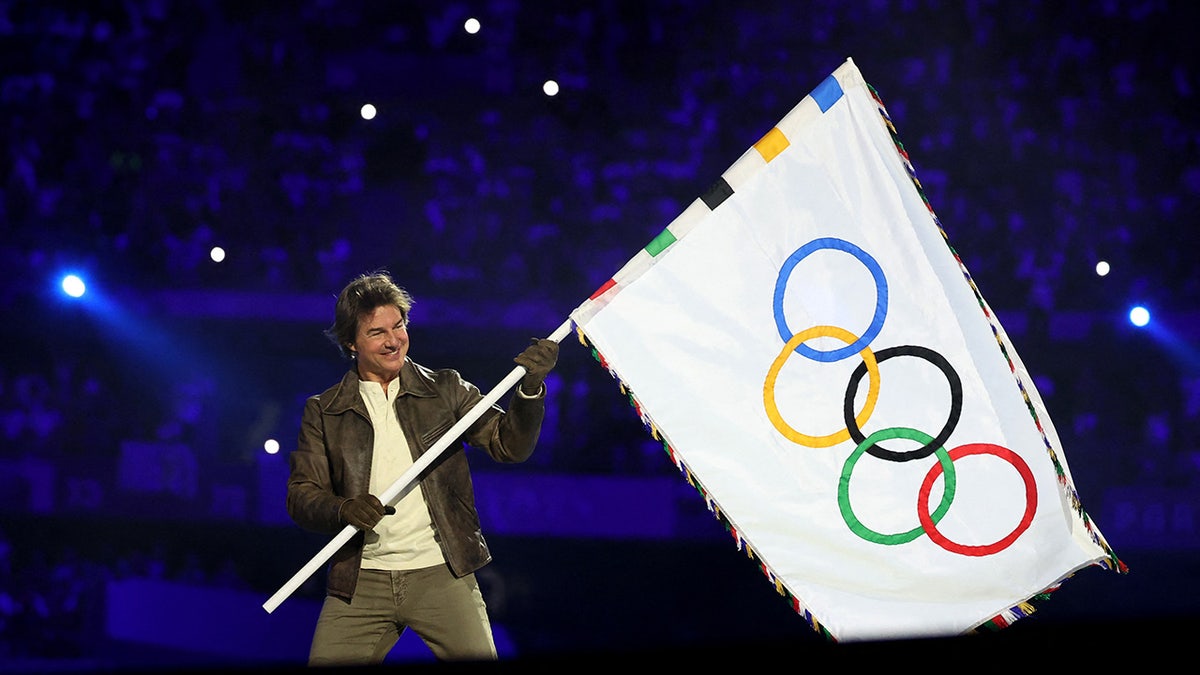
(1113, 562)
(1001, 620)
(740, 541)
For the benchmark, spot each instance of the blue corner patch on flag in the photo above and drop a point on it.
(827, 93)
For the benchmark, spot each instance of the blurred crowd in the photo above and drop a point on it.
(53, 595)
(138, 134)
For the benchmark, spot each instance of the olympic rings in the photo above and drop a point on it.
(956, 401)
(945, 463)
(854, 422)
(868, 366)
(929, 523)
(881, 298)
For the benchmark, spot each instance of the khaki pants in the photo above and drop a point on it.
(448, 613)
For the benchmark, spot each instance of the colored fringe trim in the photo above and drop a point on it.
(1001, 620)
(1070, 492)
(740, 542)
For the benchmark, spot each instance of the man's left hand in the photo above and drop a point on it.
(538, 359)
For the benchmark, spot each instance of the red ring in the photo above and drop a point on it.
(978, 449)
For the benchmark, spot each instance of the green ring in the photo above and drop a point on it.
(844, 486)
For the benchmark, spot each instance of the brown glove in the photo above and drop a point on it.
(363, 512)
(538, 359)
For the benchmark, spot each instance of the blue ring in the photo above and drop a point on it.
(881, 298)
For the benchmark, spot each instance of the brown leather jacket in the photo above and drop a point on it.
(332, 461)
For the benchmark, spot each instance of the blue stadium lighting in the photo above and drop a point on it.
(1139, 316)
(73, 286)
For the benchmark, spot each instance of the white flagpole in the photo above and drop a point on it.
(403, 482)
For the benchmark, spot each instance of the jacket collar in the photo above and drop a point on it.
(344, 395)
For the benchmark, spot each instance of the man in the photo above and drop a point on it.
(411, 566)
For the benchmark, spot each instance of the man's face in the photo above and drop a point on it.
(381, 344)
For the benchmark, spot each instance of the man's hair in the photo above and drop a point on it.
(360, 297)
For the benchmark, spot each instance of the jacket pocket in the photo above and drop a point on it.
(439, 429)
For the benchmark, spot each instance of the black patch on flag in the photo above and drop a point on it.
(719, 192)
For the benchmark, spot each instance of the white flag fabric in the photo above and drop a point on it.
(819, 363)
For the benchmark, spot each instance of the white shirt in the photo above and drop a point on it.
(405, 540)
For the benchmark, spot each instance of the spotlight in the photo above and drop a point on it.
(73, 286)
(271, 446)
(367, 111)
(1139, 316)
(550, 87)
(1102, 268)
(471, 26)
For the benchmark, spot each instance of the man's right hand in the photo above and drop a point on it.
(363, 512)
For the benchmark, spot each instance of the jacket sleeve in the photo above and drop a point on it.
(311, 498)
(506, 436)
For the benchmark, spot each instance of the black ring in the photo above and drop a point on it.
(956, 401)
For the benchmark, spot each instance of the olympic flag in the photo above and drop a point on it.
(819, 363)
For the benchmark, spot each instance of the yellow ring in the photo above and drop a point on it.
(784, 428)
